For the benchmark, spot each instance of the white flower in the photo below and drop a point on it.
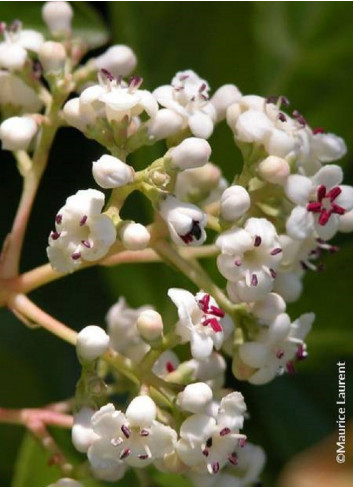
(186, 222)
(82, 232)
(201, 322)
(249, 259)
(207, 443)
(110, 172)
(16, 133)
(188, 96)
(274, 170)
(57, 16)
(235, 201)
(120, 101)
(13, 91)
(52, 56)
(223, 97)
(119, 60)
(82, 434)
(275, 348)
(134, 438)
(122, 328)
(321, 200)
(13, 50)
(195, 398)
(190, 153)
(250, 462)
(150, 325)
(92, 342)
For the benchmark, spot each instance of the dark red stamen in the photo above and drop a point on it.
(318, 130)
(58, 219)
(257, 241)
(290, 368)
(55, 235)
(83, 220)
(125, 453)
(144, 432)
(204, 302)
(86, 243)
(107, 74)
(126, 431)
(254, 280)
(76, 256)
(213, 322)
(233, 458)
(217, 311)
(224, 432)
(215, 467)
(280, 354)
(169, 367)
(276, 251)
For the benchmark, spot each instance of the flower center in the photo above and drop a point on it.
(325, 205)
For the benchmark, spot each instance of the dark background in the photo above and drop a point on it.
(301, 49)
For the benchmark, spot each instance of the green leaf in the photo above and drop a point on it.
(32, 467)
(87, 23)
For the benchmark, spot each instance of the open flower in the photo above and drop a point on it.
(207, 443)
(81, 232)
(13, 50)
(186, 222)
(188, 96)
(249, 259)
(274, 350)
(201, 322)
(321, 200)
(134, 438)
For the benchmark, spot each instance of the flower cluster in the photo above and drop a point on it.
(263, 231)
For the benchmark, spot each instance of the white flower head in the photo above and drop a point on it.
(92, 342)
(207, 443)
(186, 222)
(201, 322)
(82, 232)
(17, 42)
(188, 96)
(119, 60)
(272, 353)
(321, 201)
(249, 259)
(110, 172)
(16, 133)
(122, 328)
(134, 438)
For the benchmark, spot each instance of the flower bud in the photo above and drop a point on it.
(16, 133)
(190, 153)
(164, 124)
(92, 341)
(119, 60)
(224, 97)
(110, 172)
(274, 169)
(269, 308)
(57, 16)
(82, 434)
(232, 114)
(150, 325)
(141, 411)
(72, 114)
(280, 143)
(66, 482)
(134, 236)
(195, 397)
(328, 147)
(52, 56)
(235, 201)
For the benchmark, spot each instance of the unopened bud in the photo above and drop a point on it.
(224, 97)
(141, 411)
(232, 114)
(82, 434)
(57, 16)
(190, 153)
(92, 341)
(164, 124)
(72, 114)
(195, 397)
(66, 482)
(134, 236)
(52, 56)
(119, 60)
(16, 133)
(235, 201)
(274, 169)
(150, 325)
(110, 172)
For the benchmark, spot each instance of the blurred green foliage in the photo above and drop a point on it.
(301, 49)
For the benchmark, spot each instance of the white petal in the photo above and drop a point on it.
(300, 223)
(141, 411)
(329, 175)
(253, 126)
(345, 198)
(234, 241)
(328, 230)
(201, 125)
(298, 189)
(264, 375)
(201, 345)
(254, 354)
